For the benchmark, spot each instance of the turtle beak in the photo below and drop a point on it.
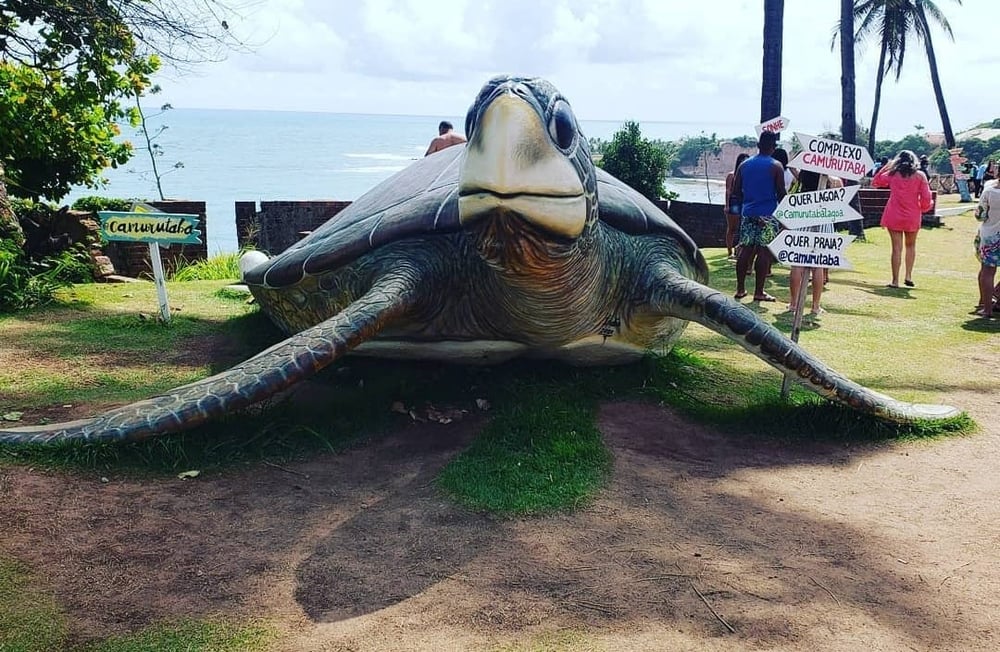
(512, 167)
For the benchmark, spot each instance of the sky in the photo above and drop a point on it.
(696, 62)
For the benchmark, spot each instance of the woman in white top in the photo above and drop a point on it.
(809, 181)
(988, 248)
(781, 156)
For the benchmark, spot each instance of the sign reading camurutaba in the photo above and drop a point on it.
(142, 226)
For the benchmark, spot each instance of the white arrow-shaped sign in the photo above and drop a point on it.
(775, 125)
(832, 157)
(828, 206)
(811, 249)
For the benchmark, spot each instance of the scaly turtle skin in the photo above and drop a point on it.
(514, 245)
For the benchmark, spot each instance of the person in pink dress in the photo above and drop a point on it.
(909, 198)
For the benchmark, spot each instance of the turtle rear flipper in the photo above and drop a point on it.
(263, 375)
(681, 297)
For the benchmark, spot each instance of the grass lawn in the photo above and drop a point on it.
(100, 346)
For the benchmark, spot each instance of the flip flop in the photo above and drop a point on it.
(908, 284)
(890, 285)
(763, 297)
(739, 295)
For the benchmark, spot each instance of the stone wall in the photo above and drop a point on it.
(705, 223)
(277, 225)
(873, 200)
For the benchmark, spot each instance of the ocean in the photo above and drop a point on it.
(231, 156)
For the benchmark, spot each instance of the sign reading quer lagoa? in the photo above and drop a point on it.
(148, 226)
(832, 157)
(774, 125)
(811, 249)
(802, 209)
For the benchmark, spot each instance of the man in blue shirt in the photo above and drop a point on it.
(980, 178)
(760, 180)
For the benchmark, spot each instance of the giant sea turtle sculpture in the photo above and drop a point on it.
(514, 245)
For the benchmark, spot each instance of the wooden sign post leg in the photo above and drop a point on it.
(799, 300)
(160, 280)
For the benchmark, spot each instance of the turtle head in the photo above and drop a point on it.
(527, 189)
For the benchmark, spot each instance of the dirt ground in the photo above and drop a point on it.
(701, 541)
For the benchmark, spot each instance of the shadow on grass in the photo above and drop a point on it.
(354, 400)
(982, 325)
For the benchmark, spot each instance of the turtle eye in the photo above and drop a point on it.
(562, 125)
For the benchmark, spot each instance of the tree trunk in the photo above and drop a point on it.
(878, 97)
(10, 229)
(848, 117)
(770, 92)
(949, 135)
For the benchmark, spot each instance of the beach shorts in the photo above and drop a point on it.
(758, 230)
(988, 252)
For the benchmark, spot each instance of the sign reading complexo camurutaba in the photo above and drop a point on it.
(142, 226)
(832, 157)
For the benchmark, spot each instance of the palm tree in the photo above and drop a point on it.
(848, 115)
(893, 21)
(770, 91)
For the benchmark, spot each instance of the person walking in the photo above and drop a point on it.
(733, 207)
(760, 183)
(909, 197)
(987, 243)
(980, 171)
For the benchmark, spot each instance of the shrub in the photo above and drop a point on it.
(94, 204)
(222, 267)
(637, 161)
(25, 283)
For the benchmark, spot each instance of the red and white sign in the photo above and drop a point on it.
(957, 161)
(774, 125)
(832, 157)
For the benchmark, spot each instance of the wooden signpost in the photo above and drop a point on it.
(144, 223)
(812, 249)
(961, 178)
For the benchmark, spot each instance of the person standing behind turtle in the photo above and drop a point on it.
(733, 207)
(909, 197)
(760, 181)
(446, 138)
(987, 244)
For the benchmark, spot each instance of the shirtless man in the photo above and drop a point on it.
(447, 138)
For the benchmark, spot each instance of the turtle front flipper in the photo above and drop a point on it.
(261, 376)
(681, 297)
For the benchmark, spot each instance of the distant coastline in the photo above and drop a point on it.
(253, 155)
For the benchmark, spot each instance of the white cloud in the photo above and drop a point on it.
(651, 60)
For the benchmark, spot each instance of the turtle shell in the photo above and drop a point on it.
(422, 200)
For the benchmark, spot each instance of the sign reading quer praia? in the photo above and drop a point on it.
(811, 249)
